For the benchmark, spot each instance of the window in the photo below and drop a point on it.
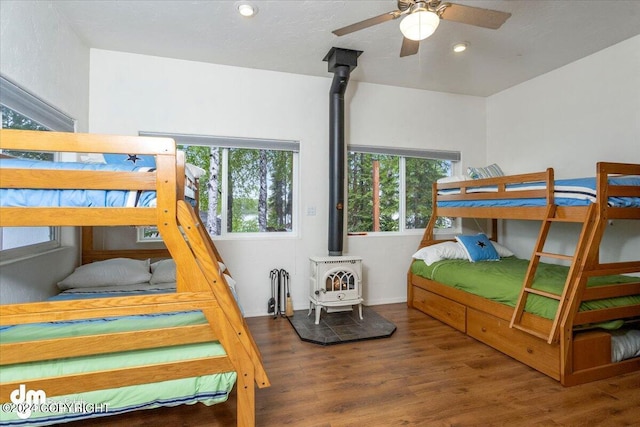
(22, 110)
(389, 189)
(249, 184)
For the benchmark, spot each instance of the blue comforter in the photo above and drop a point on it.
(10, 197)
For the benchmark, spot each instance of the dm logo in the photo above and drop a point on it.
(25, 400)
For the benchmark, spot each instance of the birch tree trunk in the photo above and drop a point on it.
(212, 189)
(262, 197)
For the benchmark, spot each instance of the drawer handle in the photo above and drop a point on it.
(529, 350)
(483, 329)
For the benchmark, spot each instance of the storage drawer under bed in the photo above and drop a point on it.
(517, 344)
(443, 309)
(590, 349)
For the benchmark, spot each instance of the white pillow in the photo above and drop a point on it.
(625, 344)
(454, 178)
(230, 281)
(93, 158)
(195, 171)
(163, 272)
(111, 272)
(440, 251)
(502, 250)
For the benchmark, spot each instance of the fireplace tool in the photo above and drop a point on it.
(280, 302)
(284, 275)
(274, 275)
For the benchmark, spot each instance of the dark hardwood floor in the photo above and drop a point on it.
(426, 374)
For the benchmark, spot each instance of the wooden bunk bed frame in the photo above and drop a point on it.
(200, 286)
(551, 346)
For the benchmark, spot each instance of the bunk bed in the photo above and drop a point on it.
(572, 342)
(226, 352)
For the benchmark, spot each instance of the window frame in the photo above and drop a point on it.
(226, 143)
(35, 108)
(403, 153)
(23, 102)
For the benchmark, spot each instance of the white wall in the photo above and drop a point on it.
(391, 116)
(569, 119)
(132, 92)
(42, 54)
(39, 52)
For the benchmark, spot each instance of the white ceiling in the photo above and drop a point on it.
(294, 36)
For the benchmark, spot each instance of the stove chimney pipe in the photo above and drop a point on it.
(340, 62)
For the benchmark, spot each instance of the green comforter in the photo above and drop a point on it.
(208, 389)
(502, 281)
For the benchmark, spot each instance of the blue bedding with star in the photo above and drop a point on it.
(11, 197)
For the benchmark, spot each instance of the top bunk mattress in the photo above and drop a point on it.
(567, 192)
(11, 197)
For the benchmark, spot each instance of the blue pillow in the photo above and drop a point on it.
(130, 159)
(478, 248)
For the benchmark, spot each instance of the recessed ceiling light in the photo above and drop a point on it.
(460, 47)
(247, 9)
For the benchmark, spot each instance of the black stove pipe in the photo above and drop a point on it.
(341, 63)
(337, 151)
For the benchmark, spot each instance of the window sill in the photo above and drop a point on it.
(440, 234)
(27, 257)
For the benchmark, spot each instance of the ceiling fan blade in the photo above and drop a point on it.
(479, 17)
(367, 23)
(409, 47)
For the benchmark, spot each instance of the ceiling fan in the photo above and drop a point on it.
(421, 18)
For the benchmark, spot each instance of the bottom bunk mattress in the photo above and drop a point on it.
(207, 389)
(501, 281)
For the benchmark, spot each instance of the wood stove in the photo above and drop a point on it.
(335, 284)
(336, 280)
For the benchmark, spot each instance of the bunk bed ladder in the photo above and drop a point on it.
(516, 319)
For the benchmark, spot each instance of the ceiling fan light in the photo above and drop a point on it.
(419, 25)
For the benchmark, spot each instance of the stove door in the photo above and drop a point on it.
(340, 283)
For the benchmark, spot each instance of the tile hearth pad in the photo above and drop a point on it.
(341, 327)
